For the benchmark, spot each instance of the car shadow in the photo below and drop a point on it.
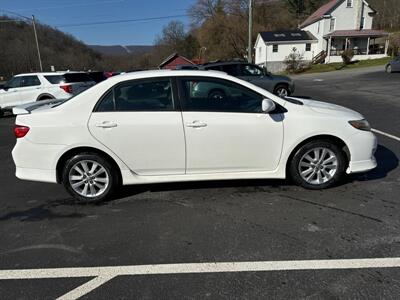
(41, 212)
(387, 162)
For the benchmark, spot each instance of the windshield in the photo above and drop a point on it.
(68, 78)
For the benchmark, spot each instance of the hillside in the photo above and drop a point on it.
(122, 50)
(18, 49)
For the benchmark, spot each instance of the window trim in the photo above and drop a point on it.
(175, 101)
(182, 96)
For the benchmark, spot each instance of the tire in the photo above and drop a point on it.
(216, 95)
(1, 113)
(306, 163)
(78, 169)
(45, 97)
(389, 69)
(282, 90)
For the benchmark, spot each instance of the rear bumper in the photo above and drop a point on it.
(36, 175)
(36, 162)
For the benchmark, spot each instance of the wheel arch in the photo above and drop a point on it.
(44, 96)
(326, 137)
(281, 83)
(79, 150)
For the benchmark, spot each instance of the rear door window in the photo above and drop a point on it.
(27, 81)
(77, 77)
(139, 95)
(68, 78)
(230, 69)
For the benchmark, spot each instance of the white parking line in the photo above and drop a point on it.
(86, 288)
(386, 134)
(104, 274)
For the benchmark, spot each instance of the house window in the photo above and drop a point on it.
(275, 48)
(349, 3)
(332, 24)
(362, 24)
(308, 47)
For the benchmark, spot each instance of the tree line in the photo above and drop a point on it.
(218, 30)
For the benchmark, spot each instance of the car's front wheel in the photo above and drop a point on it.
(318, 165)
(282, 91)
(389, 69)
(89, 177)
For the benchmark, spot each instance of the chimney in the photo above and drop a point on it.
(359, 11)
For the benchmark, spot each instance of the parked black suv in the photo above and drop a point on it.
(279, 85)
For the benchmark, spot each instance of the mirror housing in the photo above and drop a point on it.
(268, 105)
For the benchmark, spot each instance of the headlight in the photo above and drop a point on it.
(361, 125)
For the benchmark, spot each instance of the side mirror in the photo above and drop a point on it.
(268, 105)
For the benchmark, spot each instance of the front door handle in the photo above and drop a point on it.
(107, 124)
(196, 124)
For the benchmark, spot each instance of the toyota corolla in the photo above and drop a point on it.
(158, 126)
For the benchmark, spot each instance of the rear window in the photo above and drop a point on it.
(68, 78)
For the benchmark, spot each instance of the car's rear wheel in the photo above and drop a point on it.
(216, 95)
(1, 113)
(389, 69)
(318, 165)
(282, 91)
(89, 177)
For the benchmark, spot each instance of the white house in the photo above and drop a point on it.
(339, 25)
(272, 47)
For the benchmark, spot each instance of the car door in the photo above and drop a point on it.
(256, 76)
(9, 96)
(226, 130)
(30, 89)
(141, 123)
(396, 65)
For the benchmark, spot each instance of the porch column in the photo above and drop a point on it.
(387, 46)
(346, 43)
(329, 47)
(369, 41)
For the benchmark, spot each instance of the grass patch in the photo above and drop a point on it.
(322, 68)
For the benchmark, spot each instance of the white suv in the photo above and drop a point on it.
(26, 88)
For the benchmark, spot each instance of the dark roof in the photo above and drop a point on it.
(287, 36)
(320, 12)
(355, 33)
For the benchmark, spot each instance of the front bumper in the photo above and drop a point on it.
(362, 150)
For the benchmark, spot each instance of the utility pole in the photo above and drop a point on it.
(250, 46)
(37, 43)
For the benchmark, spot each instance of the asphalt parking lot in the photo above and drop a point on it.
(216, 222)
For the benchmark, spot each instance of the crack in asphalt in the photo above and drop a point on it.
(333, 208)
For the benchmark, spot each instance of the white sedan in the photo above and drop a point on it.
(153, 127)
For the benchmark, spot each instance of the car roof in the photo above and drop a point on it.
(51, 73)
(167, 73)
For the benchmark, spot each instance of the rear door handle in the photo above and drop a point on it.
(196, 124)
(107, 124)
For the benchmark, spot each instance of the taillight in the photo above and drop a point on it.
(20, 131)
(67, 88)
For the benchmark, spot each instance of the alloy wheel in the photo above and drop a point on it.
(318, 166)
(89, 178)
